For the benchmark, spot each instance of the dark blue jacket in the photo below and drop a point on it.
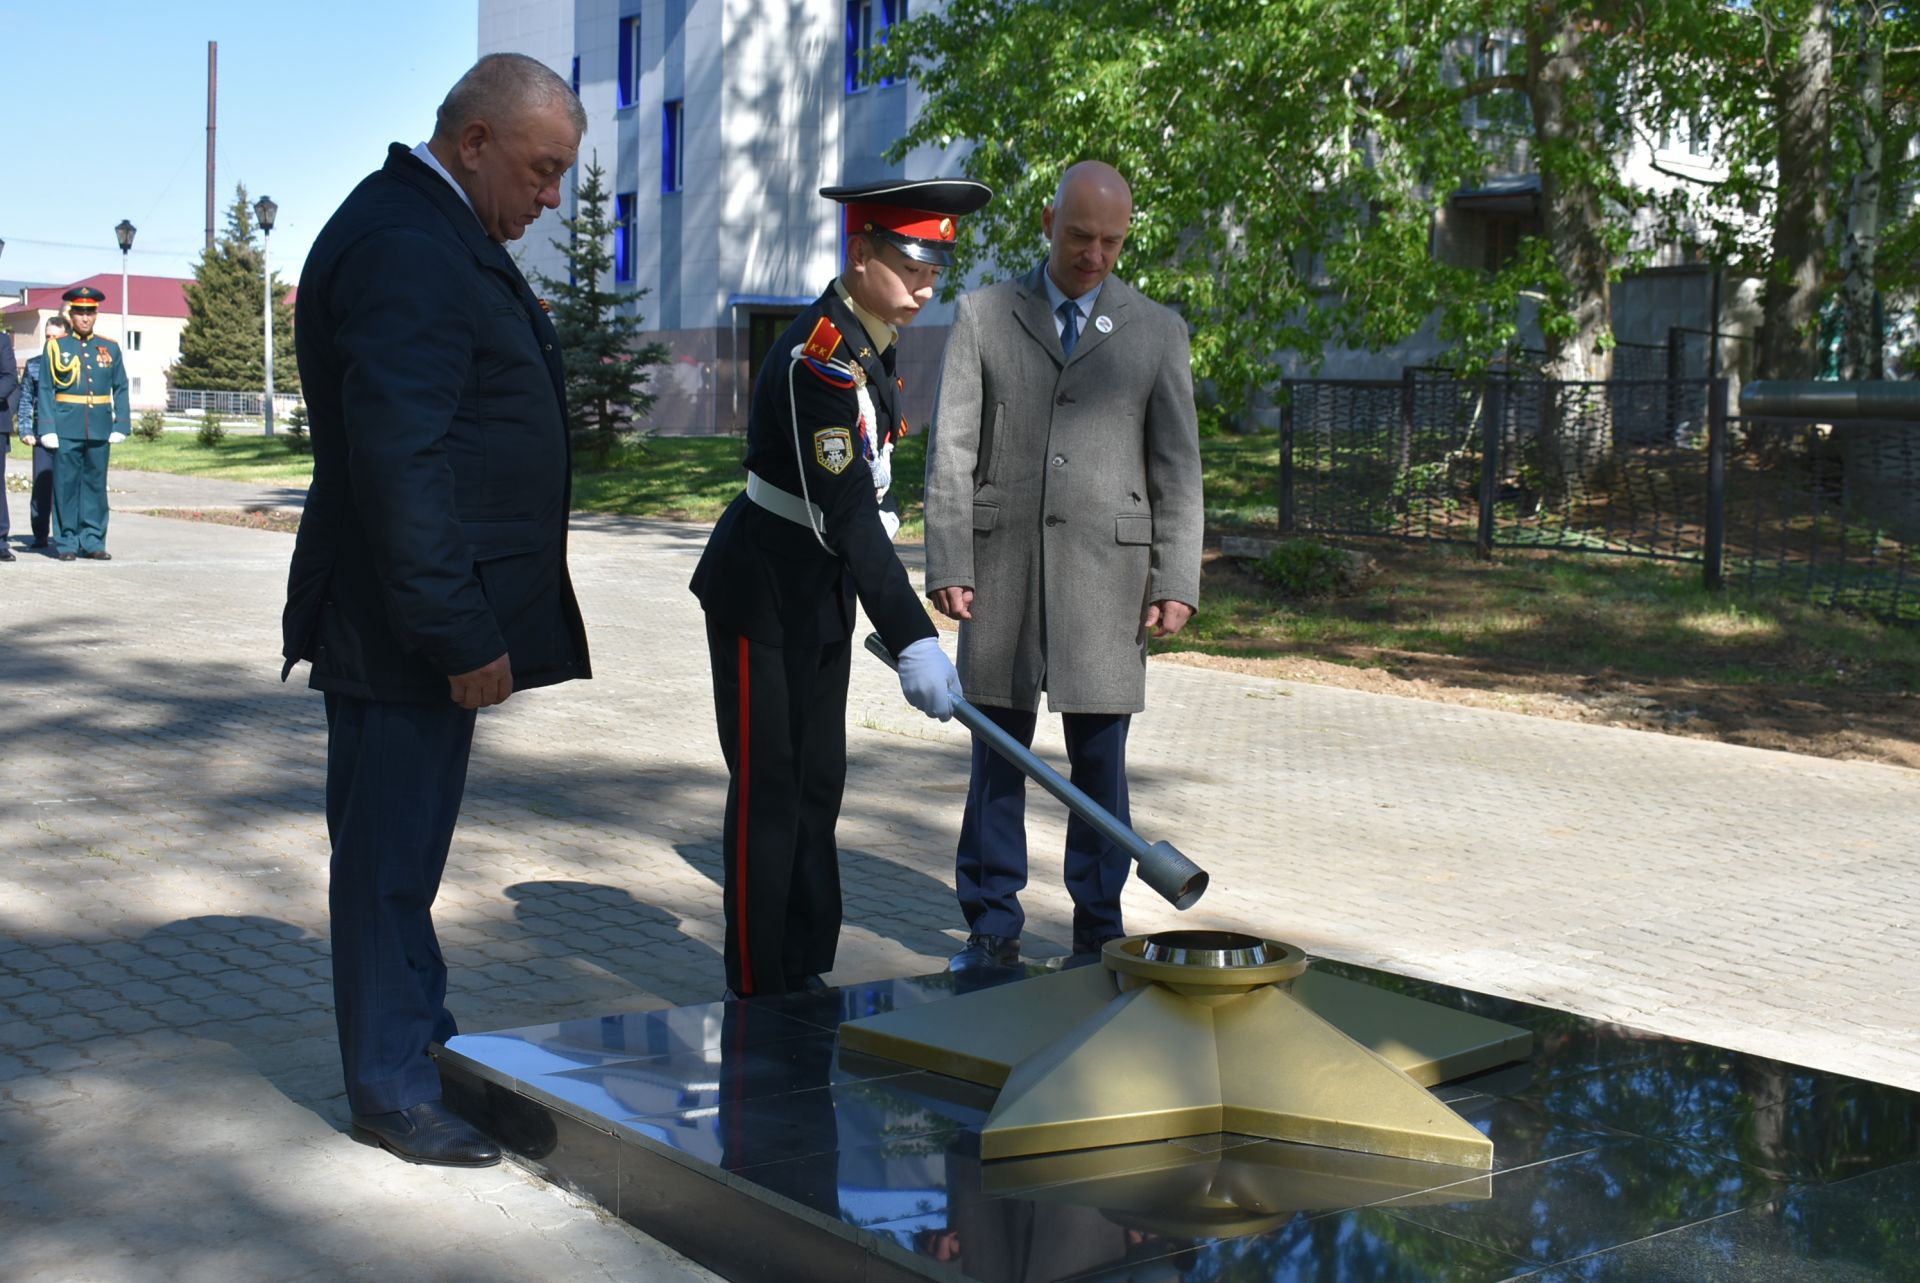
(9, 392)
(435, 532)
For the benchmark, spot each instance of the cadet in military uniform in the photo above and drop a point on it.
(82, 414)
(812, 531)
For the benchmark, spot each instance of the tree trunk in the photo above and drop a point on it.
(1568, 135)
(1567, 132)
(1803, 98)
(1860, 357)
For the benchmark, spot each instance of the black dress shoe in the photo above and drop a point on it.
(64, 556)
(427, 1133)
(98, 554)
(986, 953)
(41, 543)
(6, 553)
(809, 985)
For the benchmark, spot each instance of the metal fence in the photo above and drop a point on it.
(1827, 511)
(1633, 467)
(238, 404)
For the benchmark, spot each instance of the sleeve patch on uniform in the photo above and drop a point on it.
(833, 449)
(824, 339)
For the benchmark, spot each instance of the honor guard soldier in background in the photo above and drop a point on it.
(814, 529)
(82, 414)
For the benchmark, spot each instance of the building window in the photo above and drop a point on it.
(629, 87)
(133, 341)
(575, 79)
(1497, 109)
(1686, 133)
(868, 22)
(672, 153)
(133, 387)
(623, 237)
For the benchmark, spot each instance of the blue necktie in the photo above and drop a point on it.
(1069, 326)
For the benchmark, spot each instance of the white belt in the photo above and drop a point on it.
(781, 504)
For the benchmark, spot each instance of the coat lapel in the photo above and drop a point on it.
(491, 255)
(1035, 313)
(1111, 306)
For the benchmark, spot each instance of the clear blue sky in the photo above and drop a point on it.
(310, 94)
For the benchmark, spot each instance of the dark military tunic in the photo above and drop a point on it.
(779, 594)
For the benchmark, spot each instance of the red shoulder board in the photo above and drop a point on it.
(824, 339)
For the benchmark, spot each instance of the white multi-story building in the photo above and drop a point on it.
(717, 122)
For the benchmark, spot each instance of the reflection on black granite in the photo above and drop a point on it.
(1866, 1230)
(1618, 1155)
(1615, 1193)
(1848, 1129)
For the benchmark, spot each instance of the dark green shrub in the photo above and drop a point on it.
(152, 424)
(295, 433)
(1308, 568)
(212, 430)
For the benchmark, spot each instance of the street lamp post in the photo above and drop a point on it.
(264, 209)
(124, 234)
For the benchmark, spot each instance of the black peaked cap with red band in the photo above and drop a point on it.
(916, 216)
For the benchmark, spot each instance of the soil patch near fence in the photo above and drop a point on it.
(285, 520)
(1607, 641)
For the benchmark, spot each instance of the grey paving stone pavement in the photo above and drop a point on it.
(169, 1103)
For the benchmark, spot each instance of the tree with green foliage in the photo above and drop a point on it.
(1290, 160)
(222, 348)
(1813, 109)
(607, 366)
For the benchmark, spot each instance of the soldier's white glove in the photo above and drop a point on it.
(928, 679)
(115, 438)
(51, 440)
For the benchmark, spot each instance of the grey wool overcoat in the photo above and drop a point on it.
(1065, 493)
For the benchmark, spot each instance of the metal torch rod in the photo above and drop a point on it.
(1162, 866)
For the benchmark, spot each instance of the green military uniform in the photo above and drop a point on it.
(83, 402)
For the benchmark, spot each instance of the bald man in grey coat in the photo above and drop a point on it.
(1064, 526)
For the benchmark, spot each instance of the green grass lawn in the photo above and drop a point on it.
(1541, 611)
(1554, 612)
(248, 458)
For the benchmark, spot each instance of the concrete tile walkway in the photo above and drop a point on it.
(169, 1104)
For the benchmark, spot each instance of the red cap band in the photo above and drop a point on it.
(915, 223)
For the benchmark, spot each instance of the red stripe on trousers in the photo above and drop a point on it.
(740, 823)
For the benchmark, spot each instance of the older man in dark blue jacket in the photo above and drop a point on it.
(9, 396)
(429, 579)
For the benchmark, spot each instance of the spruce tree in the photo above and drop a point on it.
(221, 348)
(606, 364)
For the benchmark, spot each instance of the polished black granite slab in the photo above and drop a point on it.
(736, 1133)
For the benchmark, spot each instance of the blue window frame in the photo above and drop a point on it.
(629, 87)
(868, 22)
(624, 242)
(672, 152)
(575, 78)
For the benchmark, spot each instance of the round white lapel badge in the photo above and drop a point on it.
(1104, 324)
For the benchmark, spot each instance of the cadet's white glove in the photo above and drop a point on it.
(51, 440)
(927, 678)
(890, 523)
(882, 469)
(115, 438)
